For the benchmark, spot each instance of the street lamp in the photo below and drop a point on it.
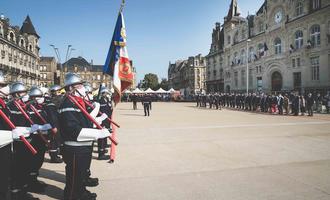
(247, 65)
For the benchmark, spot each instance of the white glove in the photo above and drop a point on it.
(96, 110)
(90, 134)
(100, 119)
(45, 127)
(6, 137)
(34, 128)
(20, 131)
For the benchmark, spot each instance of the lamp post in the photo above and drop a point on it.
(247, 65)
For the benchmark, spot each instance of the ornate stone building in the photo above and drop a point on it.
(48, 71)
(188, 76)
(19, 51)
(284, 46)
(87, 71)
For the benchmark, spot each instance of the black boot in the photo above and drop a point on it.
(56, 159)
(91, 182)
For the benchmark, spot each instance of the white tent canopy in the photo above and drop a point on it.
(127, 92)
(149, 90)
(137, 91)
(161, 90)
(171, 90)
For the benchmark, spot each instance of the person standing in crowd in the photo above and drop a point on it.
(309, 104)
(134, 100)
(52, 104)
(302, 105)
(318, 103)
(280, 101)
(106, 108)
(296, 105)
(146, 104)
(78, 135)
(286, 104)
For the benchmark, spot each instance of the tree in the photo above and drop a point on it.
(164, 84)
(150, 81)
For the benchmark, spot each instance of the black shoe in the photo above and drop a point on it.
(91, 182)
(103, 157)
(56, 159)
(88, 196)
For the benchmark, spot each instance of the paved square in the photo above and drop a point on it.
(184, 152)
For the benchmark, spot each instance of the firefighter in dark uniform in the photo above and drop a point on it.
(78, 136)
(21, 158)
(106, 108)
(52, 104)
(6, 139)
(37, 100)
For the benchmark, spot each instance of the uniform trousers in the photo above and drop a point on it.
(5, 156)
(77, 160)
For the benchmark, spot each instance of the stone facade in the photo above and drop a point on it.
(48, 71)
(87, 71)
(19, 52)
(188, 76)
(285, 46)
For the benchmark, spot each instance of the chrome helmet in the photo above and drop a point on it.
(35, 92)
(72, 79)
(55, 88)
(17, 87)
(88, 87)
(105, 90)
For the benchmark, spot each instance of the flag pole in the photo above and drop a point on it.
(122, 5)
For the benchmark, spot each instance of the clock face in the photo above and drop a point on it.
(278, 16)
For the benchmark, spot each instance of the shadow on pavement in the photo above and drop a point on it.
(141, 115)
(52, 175)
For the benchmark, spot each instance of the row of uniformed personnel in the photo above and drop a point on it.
(50, 122)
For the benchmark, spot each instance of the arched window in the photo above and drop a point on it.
(235, 58)
(261, 26)
(11, 36)
(278, 46)
(243, 56)
(299, 8)
(30, 47)
(1, 30)
(251, 54)
(22, 43)
(299, 41)
(315, 35)
(236, 37)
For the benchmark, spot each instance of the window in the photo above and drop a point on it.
(278, 46)
(261, 27)
(243, 56)
(250, 77)
(235, 58)
(251, 54)
(315, 63)
(243, 77)
(315, 35)
(236, 78)
(228, 39)
(261, 49)
(243, 33)
(298, 62)
(236, 38)
(22, 43)
(299, 8)
(299, 41)
(293, 63)
(1, 31)
(98, 77)
(228, 60)
(316, 4)
(12, 36)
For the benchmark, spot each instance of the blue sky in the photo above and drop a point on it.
(158, 31)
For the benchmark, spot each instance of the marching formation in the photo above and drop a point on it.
(288, 103)
(67, 124)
